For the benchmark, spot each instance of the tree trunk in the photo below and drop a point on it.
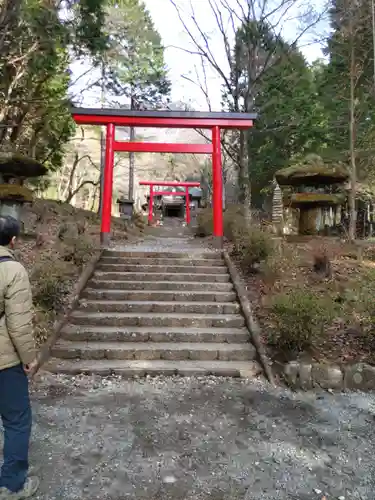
(102, 140)
(131, 167)
(243, 179)
(352, 138)
(131, 154)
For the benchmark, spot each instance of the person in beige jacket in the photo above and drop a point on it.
(18, 361)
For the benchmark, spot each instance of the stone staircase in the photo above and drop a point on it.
(157, 313)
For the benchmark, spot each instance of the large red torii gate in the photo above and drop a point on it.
(214, 121)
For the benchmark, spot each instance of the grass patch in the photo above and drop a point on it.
(300, 318)
(51, 281)
(251, 244)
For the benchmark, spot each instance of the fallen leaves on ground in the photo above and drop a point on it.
(343, 343)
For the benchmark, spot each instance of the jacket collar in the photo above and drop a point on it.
(6, 252)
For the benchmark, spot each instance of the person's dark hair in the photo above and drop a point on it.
(9, 228)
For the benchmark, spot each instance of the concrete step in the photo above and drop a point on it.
(158, 295)
(160, 269)
(247, 369)
(190, 286)
(163, 255)
(157, 319)
(154, 351)
(157, 261)
(154, 334)
(159, 307)
(142, 276)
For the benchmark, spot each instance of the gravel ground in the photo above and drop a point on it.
(199, 438)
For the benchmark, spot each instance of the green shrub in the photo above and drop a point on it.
(51, 282)
(355, 297)
(83, 250)
(252, 246)
(233, 219)
(204, 223)
(300, 318)
(77, 251)
(359, 303)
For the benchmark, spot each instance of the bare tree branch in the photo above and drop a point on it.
(246, 59)
(203, 46)
(73, 193)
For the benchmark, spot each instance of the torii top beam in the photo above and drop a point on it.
(170, 184)
(161, 119)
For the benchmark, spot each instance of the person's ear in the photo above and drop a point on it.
(13, 242)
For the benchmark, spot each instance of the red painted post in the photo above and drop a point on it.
(187, 201)
(151, 206)
(217, 185)
(108, 186)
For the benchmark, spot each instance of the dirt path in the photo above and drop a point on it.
(201, 439)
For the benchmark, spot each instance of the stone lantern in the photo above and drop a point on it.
(126, 208)
(14, 170)
(315, 189)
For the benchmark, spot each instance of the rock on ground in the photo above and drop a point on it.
(199, 439)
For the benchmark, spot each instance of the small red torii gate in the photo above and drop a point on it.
(214, 121)
(153, 193)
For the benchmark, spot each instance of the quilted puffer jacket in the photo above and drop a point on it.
(17, 343)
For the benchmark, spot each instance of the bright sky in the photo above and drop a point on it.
(180, 63)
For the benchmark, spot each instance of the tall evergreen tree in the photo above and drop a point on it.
(271, 77)
(34, 78)
(134, 66)
(347, 90)
(290, 122)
